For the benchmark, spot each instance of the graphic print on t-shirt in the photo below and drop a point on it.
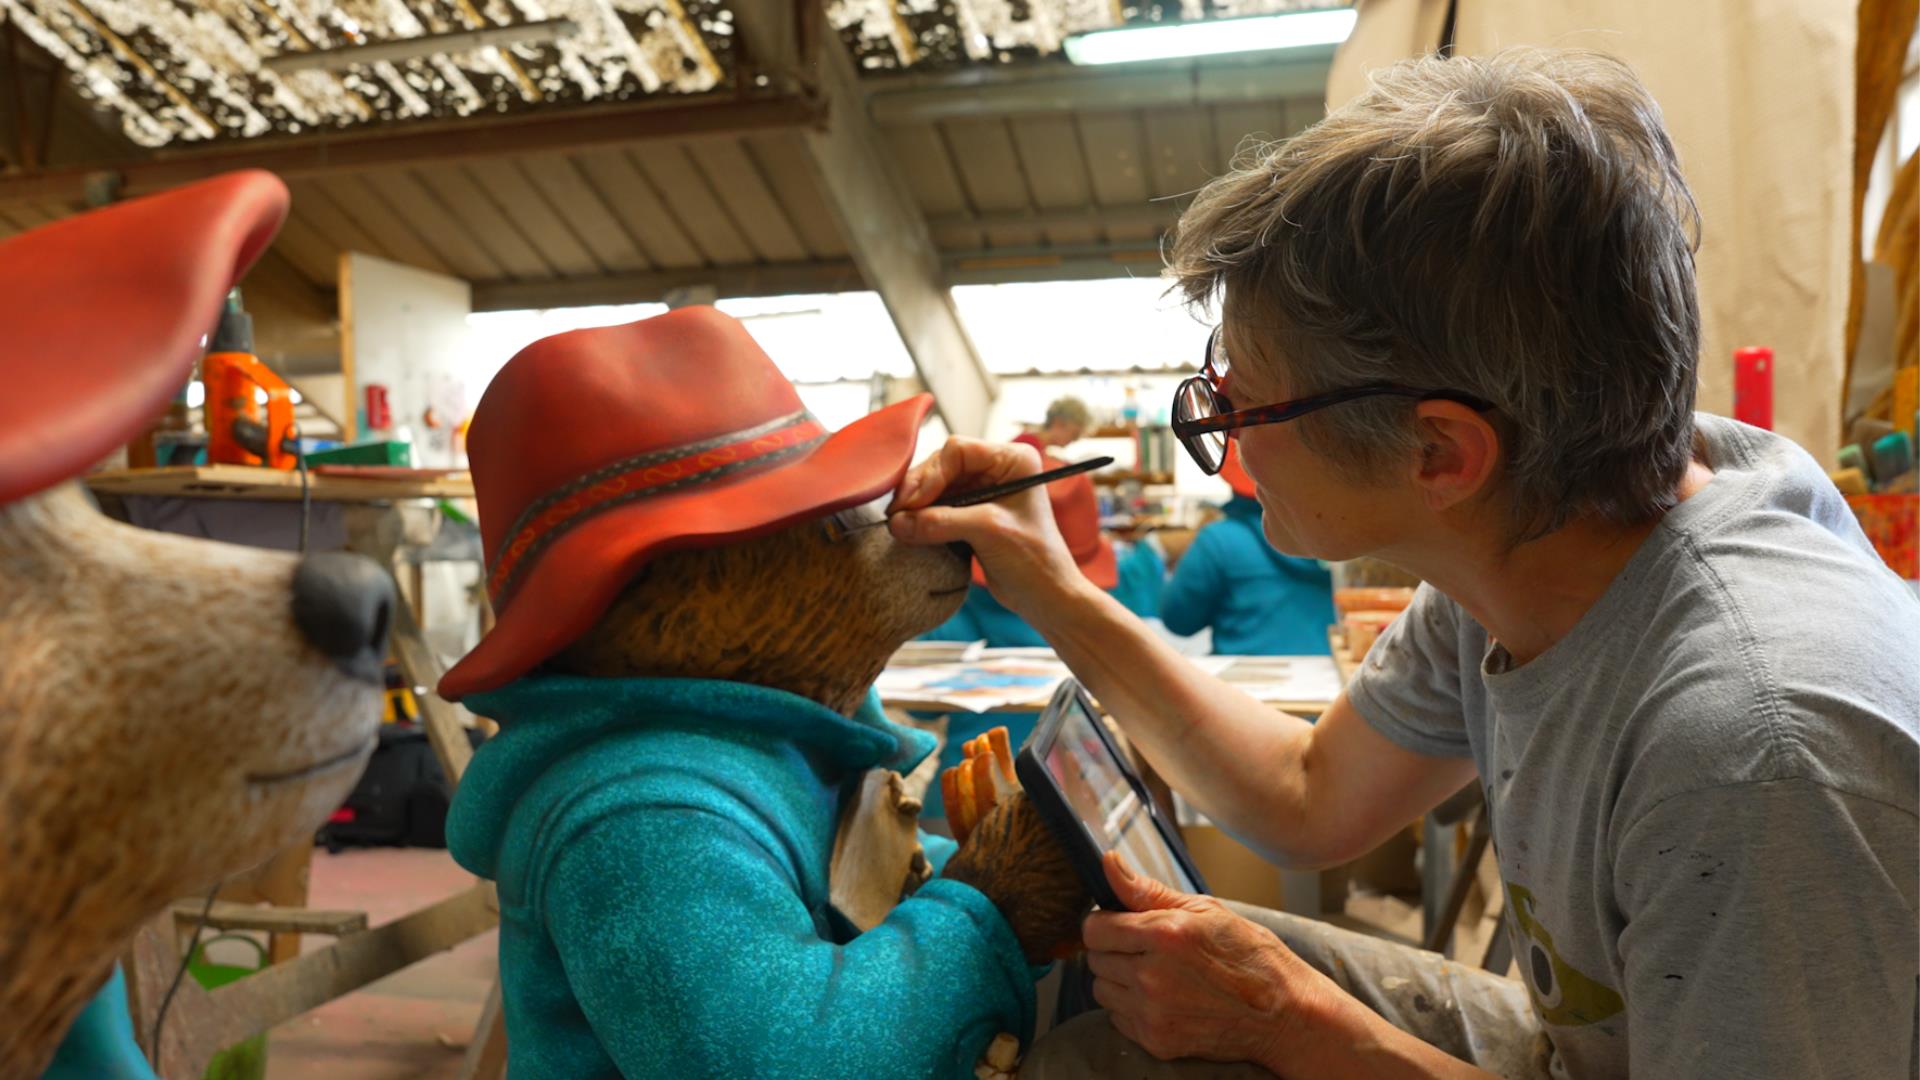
(1561, 993)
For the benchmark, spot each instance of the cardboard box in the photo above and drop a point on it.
(1232, 870)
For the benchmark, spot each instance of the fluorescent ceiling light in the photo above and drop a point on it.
(1213, 37)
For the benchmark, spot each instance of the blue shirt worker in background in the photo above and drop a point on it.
(1258, 601)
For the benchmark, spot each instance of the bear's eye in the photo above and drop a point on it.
(854, 518)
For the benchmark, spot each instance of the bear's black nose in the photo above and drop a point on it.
(343, 605)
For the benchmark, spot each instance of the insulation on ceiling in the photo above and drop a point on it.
(178, 72)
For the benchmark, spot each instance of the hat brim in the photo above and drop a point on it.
(579, 575)
(104, 315)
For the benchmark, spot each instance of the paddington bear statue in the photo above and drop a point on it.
(708, 864)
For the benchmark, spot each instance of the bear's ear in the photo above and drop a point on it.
(106, 312)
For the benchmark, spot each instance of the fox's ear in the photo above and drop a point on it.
(104, 315)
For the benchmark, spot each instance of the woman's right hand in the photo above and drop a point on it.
(1027, 564)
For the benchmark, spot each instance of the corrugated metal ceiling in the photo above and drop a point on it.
(999, 193)
(183, 73)
(1020, 169)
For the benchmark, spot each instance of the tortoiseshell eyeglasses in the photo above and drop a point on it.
(1203, 418)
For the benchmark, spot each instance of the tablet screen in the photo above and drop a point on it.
(1097, 787)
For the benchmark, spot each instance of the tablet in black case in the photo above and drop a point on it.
(1094, 802)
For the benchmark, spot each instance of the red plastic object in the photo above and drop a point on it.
(379, 410)
(1235, 474)
(595, 450)
(232, 378)
(1076, 510)
(1753, 386)
(105, 314)
(1892, 523)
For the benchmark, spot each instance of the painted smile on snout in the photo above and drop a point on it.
(326, 764)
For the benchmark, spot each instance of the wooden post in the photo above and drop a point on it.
(257, 1003)
(487, 1053)
(151, 965)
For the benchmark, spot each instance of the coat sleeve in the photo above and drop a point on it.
(1192, 596)
(686, 942)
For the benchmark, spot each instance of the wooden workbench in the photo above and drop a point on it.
(253, 482)
(1305, 707)
(1314, 894)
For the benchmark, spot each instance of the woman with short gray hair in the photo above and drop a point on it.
(1459, 332)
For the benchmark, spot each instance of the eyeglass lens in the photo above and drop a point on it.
(1196, 400)
(1217, 362)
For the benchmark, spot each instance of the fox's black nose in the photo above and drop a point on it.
(343, 605)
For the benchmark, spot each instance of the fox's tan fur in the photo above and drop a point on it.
(144, 679)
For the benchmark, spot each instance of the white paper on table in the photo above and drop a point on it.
(987, 684)
(1213, 665)
(1284, 678)
(937, 652)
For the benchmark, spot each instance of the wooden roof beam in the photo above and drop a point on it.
(1159, 213)
(415, 144)
(1003, 90)
(727, 282)
(995, 266)
(878, 217)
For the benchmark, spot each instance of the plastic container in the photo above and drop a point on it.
(384, 452)
(1753, 386)
(244, 1060)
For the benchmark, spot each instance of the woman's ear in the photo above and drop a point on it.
(1459, 453)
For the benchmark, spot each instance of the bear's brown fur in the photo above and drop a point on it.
(800, 612)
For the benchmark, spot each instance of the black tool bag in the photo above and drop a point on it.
(400, 801)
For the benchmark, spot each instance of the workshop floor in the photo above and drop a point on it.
(412, 1025)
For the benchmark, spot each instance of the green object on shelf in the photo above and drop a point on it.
(243, 1060)
(384, 452)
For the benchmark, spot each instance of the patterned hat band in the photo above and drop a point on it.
(630, 480)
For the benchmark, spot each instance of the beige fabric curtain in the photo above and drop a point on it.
(1758, 95)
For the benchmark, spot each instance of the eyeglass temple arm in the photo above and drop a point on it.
(1274, 414)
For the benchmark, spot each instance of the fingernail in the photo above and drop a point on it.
(1125, 870)
(902, 524)
(909, 488)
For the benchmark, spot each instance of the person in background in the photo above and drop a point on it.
(1258, 601)
(1134, 579)
(1067, 420)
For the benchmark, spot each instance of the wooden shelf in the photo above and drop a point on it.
(1120, 431)
(1125, 476)
(1337, 642)
(253, 482)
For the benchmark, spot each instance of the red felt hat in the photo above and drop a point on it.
(1234, 473)
(105, 314)
(596, 450)
(1076, 510)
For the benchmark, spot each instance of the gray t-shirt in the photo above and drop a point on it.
(1704, 796)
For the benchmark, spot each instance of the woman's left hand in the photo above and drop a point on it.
(1183, 976)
